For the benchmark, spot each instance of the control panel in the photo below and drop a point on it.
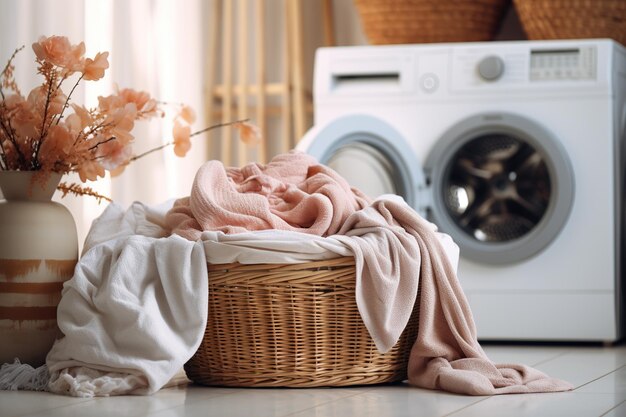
(520, 66)
(434, 71)
(563, 64)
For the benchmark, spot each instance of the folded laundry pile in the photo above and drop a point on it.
(136, 309)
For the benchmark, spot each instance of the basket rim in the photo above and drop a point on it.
(339, 262)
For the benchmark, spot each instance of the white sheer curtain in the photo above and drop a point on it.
(156, 46)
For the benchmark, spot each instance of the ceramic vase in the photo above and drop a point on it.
(38, 253)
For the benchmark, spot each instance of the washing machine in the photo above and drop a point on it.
(515, 149)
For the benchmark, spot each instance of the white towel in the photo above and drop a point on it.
(132, 312)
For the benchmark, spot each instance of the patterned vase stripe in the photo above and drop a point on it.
(38, 253)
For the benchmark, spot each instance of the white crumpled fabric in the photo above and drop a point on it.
(132, 312)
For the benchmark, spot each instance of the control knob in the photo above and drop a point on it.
(491, 68)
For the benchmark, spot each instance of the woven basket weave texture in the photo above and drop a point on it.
(426, 21)
(573, 19)
(292, 325)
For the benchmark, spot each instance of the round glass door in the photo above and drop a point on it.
(367, 169)
(370, 154)
(502, 187)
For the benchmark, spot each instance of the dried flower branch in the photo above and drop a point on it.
(37, 135)
(78, 189)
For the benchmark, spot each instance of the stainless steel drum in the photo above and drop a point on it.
(501, 185)
(497, 188)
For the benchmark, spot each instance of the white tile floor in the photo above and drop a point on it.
(599, 374)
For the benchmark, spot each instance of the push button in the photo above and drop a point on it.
(429, 82)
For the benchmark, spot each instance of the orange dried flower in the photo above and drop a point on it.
(94, 69)
(90, 170)
(182, 135)
(249, 133)
(56, 146)
(187, 114)
(42, 137)
(114, 154)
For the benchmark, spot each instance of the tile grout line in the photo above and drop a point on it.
(468, 406)
(327, 402)
(600, 377)
(562, 353)
(234, 392)
(196, 400)
(102, 398)
(82, 401)
(608, 411)
(558, 355)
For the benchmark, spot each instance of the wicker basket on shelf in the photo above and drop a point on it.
(425, 21)
(573, 19)
(291, 325)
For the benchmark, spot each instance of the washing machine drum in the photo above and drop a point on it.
(502, 187)
(499, 184)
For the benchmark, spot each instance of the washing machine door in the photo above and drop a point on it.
(502, 186)
(369, 153)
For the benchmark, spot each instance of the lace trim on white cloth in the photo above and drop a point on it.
(21, 376)
(79, 381)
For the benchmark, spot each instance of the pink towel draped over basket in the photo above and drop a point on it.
(394, 250)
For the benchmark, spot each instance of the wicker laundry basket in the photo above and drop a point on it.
(425, 21)
(573, 19)
(291, 325)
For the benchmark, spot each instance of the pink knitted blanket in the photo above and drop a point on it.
(294, 192)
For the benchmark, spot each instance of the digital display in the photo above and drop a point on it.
(556, 51)
(563, 64)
